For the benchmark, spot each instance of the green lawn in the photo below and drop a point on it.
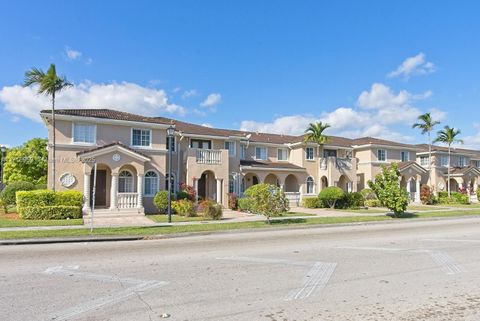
(364, 210)
(426, 207)
(12, 220)
(442, 213)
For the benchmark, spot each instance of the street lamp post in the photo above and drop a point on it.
(3, 149)
(170, 133)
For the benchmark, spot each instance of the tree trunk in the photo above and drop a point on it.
(429, 158)
(448, 172)
(53, 142)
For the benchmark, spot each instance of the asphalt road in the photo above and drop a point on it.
(403, 271)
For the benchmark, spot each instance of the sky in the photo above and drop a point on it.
(368, 68)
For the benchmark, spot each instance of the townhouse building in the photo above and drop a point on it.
(130, 153)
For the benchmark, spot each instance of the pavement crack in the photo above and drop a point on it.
(149, 307)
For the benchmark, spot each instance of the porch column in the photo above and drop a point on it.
(417, 194)
(408, 190)
(86, 193)
(114, 191)
(140, 191)
(195, 186)
(219, 190)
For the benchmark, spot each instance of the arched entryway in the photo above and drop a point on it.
(344, 183)
(271, 179)
(324, 182)
(453, 185)
(291, 184)
(207, 186)
(249, 179)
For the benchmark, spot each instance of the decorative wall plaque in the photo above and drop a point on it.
(116, 157)
(67, 180)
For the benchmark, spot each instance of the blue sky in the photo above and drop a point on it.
(366, 67)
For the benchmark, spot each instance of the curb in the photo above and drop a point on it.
(70, 240)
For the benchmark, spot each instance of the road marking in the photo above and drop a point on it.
(137, 286)
(452, 240)
(264, 260)
(366, 248)
(446, 262)
(316, 279)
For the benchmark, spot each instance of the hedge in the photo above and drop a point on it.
(455, 198)
(311, 202)
(8, 194)
(58, 212)
(210, 209)
(245, 204)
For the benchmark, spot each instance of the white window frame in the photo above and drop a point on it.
(385, 155)
(84, 124)
(231, 152)
(477, 163)
(313, 185)
(284, 150)
(426, 160)
(133, 181)
(261, 148)
(141, 146)
(150, 178)
(462, 161)
(442, 158)
(403, 152)
(174, 143)
(313, 153)
(243, 152)
(231, 184)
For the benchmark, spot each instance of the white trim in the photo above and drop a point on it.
(408, 155)
(313, 154)
(145, 179)
(266, 153)
(140, 146)
(386, 157)
(234, 148)
(84, 143)
(287, 154)
(380, 146)
(133, 180)
(374, 163)
(253, 168)
(113, 148)
(313, 186)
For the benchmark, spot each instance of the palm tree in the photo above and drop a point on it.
(314, 133)
(49, 84)
(426, 124)
(448, 135)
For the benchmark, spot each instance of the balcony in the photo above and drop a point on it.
(336, 162)
(208, 156)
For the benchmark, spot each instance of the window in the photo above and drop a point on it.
(462, 161)
(172, 182)
(405, 156)
(200, 144)
(424, 160)
(125, 182)
(282, 154)
(309, 155)
(381, 155)
(230, 146)
(243, 152)
(310, 186)
(444, 161)
(168, 143)
(141, 137)
(261, 153)
(477, 163)
(84, 133)
(329, 153)
(151, 183)
(231, 184)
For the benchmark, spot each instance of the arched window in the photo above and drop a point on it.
(172, 182)
(125, 182)
(310, 186)
(151, 183)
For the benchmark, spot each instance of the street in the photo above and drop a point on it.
(423, 270)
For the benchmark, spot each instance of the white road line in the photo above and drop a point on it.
(366, 248)
(264, 260)
(137, 286)
(316, 279)
(452, 240)
(446, 262)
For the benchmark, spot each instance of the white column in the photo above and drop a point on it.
(86, 193)
(114, 191)
(408, 190)
(195, 186)
(417, 194)
(140, 178)
(219, 191)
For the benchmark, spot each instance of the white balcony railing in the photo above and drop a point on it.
(293, 197)
(344, 163)
(323, 163)
(127, 200)
(208, 156)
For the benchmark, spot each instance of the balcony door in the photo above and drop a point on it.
(201, 144)
(329, 153)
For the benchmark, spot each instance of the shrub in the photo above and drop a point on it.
(8, 194)
(388, 190)
(36, 198)
(311, 202)
(268, 200)
(184, 208)
(351, 200)
(232, 201)
(426, 195)
(210, 209)
(372, 203)
(161, 201)
(368, 194)
(478, 193)
(245, 204)
(182, 195)
(58, 212)
(455, 198)
(69, 198)
(331, 195)
(3, 206)
(189, 191)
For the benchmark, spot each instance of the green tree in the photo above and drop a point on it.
(268, 200)
(27, 163)
(49, 84)
(330, 195)
(449, 136)
(314, 133)
(426, 125)
(388, 190)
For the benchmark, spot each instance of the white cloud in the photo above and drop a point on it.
(473, 141)
(416, 65)
(207, 125)
(288, 125)
(381, 96)
(73, 54)
(189, 93)
(123, 96)
(211, 100)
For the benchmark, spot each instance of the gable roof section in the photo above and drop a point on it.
(113, 147)
(403, 166)
(464, 170)
(377, 141)
(454, 150)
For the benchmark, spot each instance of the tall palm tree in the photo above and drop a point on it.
(426, 124)
(448, 135)
(314, 133)
(49, 84)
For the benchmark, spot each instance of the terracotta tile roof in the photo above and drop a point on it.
(265, 164)
(378, 141)
(109, 145)
(454, 149)
(462, 170)
(108, 114)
